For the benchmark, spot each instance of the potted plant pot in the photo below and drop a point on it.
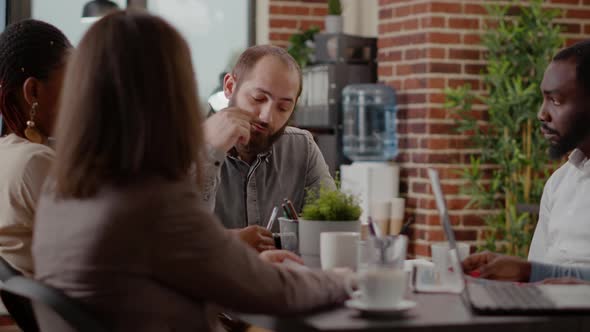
(333, 20)
(333, 23)
(326, 210)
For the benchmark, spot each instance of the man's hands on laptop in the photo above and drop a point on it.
(565, 281)
(228, 127)
(256, 237)
(497, 267)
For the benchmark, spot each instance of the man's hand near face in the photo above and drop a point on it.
(228, 127)
(498, 267)
(223, 131)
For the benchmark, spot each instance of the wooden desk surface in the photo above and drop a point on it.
(7, 324)
(434, 312)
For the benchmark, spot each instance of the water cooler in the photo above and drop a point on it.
(369, 140)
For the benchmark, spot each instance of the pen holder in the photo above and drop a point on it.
(286, 241)
(287, 225)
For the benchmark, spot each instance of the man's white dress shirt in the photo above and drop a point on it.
(562, 235)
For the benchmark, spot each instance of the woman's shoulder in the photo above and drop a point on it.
(23, 154)
(23, 162)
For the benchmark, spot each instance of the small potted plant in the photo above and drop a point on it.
(333, 20)
(326, 210)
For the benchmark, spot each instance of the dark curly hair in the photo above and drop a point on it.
(28, 48)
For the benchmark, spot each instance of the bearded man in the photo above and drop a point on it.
(255, 159)
(561, 243)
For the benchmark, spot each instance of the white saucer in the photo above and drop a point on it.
(404, 305)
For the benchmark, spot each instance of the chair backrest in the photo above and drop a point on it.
(7, 271)
(54, 310)
(20, 310)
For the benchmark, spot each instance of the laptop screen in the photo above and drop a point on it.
(446, 224)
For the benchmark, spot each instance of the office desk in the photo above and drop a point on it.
(7, 324)
(434, 312)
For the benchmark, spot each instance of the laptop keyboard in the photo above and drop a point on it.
(508, 297)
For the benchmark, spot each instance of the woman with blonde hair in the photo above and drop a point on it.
(120, 227)
(32, 62)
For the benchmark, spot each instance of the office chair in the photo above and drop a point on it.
(21, 311)
(7, 271)
(54, 310)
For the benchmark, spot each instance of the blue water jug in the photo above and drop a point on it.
(369, 132)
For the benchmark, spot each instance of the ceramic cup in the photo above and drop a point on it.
(338, 249)
(383, 283)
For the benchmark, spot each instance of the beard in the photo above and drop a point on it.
(577, 132)
(259, 142)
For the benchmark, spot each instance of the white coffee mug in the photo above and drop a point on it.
(380, 287)
(338, 249)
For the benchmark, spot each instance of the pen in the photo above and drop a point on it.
(371, 226)
(291, 209)
(286, 211)
(406, 226)
(273, 216)
(374, 229)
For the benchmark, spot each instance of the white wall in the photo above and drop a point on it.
(262, 22)
(65, 14)
(216, 30)
(360, 17)
(2, 15)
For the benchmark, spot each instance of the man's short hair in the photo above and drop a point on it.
(580, 53)
(252, 55)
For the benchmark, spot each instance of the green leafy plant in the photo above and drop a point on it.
(300, 45)
(334, 7)
(331, 205)
(511, 164)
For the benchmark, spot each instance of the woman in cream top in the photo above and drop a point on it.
(23, 168)
(32, 55)
(120, 225)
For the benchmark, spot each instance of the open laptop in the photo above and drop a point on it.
(497, 297)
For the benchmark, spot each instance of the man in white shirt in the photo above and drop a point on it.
(562, 235)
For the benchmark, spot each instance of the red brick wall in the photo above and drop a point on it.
(291, 16)
(425, 46)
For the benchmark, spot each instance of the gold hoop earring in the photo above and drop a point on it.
(31, 132)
